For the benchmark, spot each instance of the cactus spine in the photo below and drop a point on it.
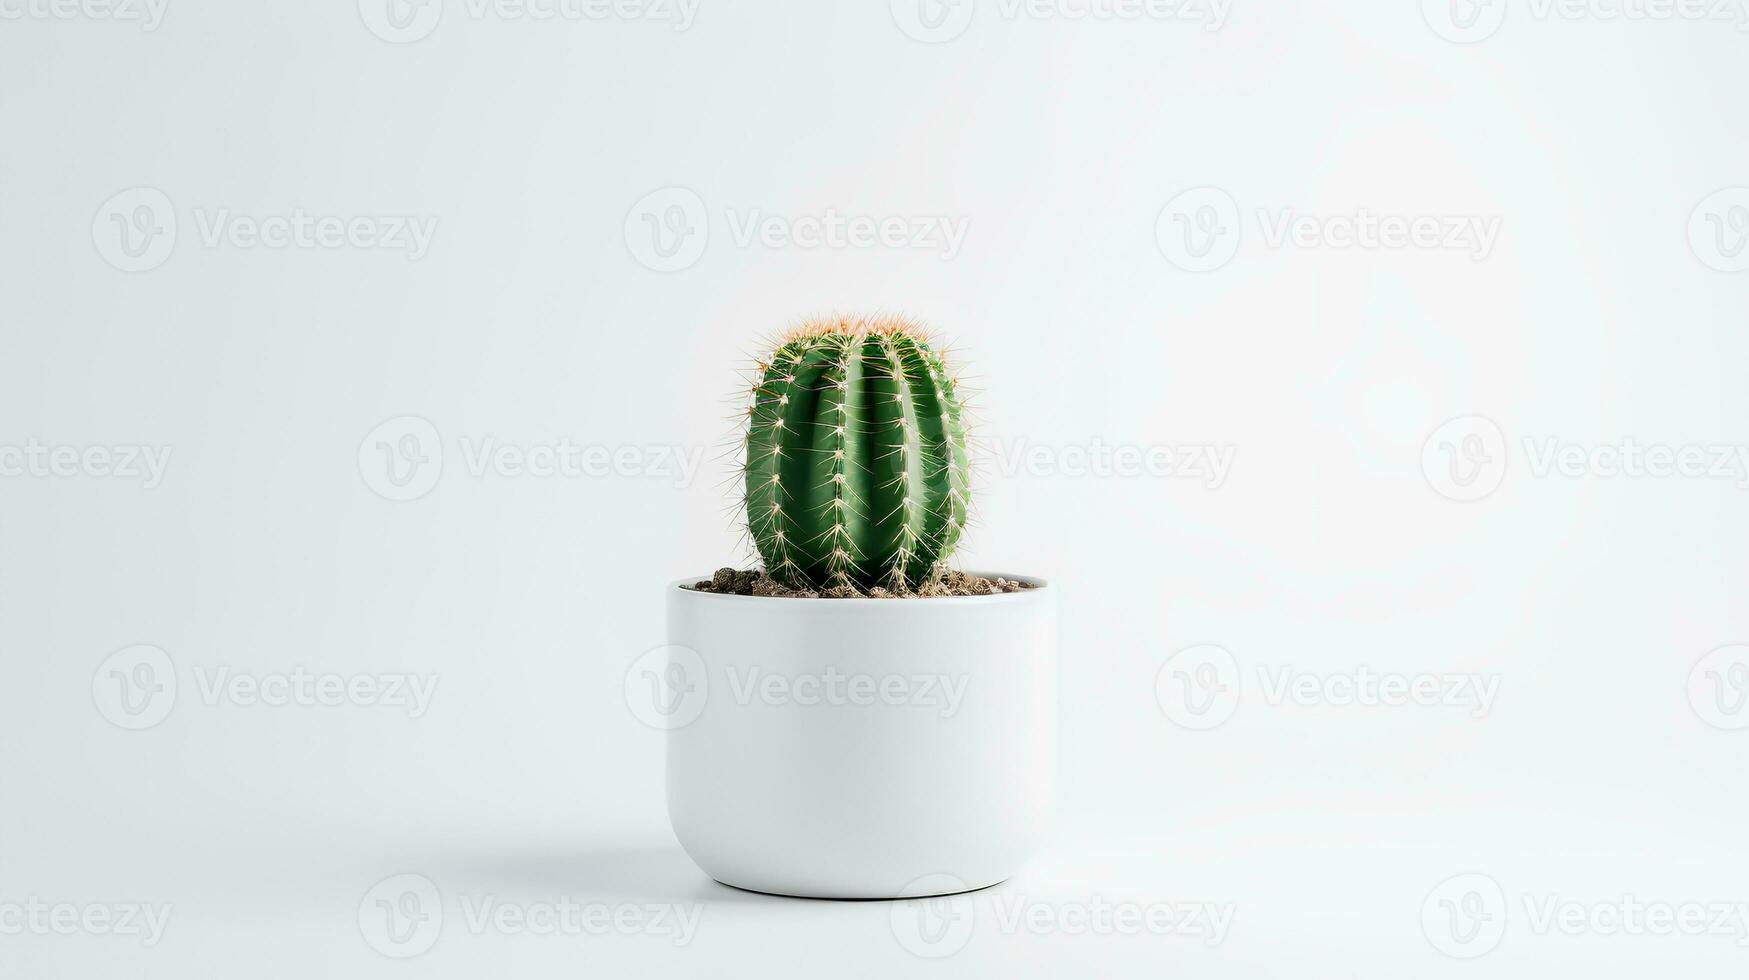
(856, 462)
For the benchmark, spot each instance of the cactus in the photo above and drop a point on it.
(856, 464)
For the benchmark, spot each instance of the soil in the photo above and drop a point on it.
(729, 581)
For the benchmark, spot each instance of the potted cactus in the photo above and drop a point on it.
(864, 721)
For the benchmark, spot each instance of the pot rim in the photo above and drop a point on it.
(1040, 587)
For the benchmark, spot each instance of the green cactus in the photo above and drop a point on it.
(856, 462)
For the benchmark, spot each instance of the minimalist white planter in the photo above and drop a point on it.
(861, 748)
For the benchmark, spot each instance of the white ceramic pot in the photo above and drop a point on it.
(861, 748)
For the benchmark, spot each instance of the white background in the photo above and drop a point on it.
(1607, 309)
